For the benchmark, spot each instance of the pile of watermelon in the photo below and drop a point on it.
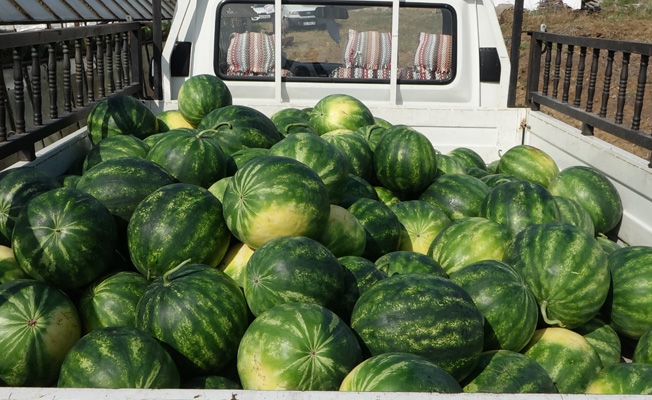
(213, 246)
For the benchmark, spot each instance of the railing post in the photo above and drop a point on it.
(534, 70)
(19, 94)
(52, 82)
(67, 89)
(157, 39)
(36, 86)
(3, 109)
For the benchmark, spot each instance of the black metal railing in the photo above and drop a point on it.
(69, 69)
(559, 79)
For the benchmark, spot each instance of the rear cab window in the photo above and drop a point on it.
(337, 41)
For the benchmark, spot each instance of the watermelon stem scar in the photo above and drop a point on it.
(166, 276)
(31, 323)
(544, 314)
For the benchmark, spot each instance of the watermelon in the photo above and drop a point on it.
(506, 371)
(201, 94)
(387, 196)
(199, 312)
(608, 245)
(297, 346)
(290, 112)
(239, 158)
(643, 348)
(405, 160)
(291, 124)
(355, 149)
(382, 227)
(194, 158)
(355, 189)
(568, 358)
(9, 268)
(408, 262)
(448, 165)
(469, 158)
(493, 180)
(170, 120)
(603, 338)
(65, 237)
(237, 127)
(508, 306)
(492, 167)
(115, 147)
(210, 382)
(69, 180)
(321, 156)
(292, 269)
(594, 191)
(112, 300)
(566, 270)
(457, 195)
(629, 306)
(399, 372)
(476, 172)
(359, 275)
(422, 314)
(625, 378)
(339, 111)
(420, 223)
(120, 115)
(118, 357)
(382, 122)
(468, 240)
(218, 188)
(274, 196)
(572, 212)
(39, 324)
(235, 261)
(17, 187)
(175, 223)
(528, 163)
(519, 204)
(343, 234)
(372, 134)
(121, 184)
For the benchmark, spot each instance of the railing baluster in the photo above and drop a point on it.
(19, 95)
(567, 72)
(579, 85)
(79, 73)
(555, 79)
(36, 87)
(3, 109)
(546, 68)
(109, 63)
(90, 79)
(607, 83)
(100, 66)
(67, 89)
(118, 61)
(592, 79)
(640, 92)
(622, 89)
(125, 60)
(52, 82)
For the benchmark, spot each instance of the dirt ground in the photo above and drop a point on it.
(604, 24)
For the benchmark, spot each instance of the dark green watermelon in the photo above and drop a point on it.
(120, 115)
(115, 147)
(622, 379)
(604, 339)
(408, 262)
(457, 195)
(528, 163)
(239, 158)
(357, 188)
(343, 234)
(420, 223)
(572, 212)
(355, 149)
(381, 225)
(201, 94)
(469, 158)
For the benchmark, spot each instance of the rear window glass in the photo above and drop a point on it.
(335, 42)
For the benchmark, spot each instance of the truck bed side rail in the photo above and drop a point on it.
(65, 71)
(560, 60)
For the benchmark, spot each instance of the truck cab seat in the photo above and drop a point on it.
(251, 54)
(366, 55)
(432, 58)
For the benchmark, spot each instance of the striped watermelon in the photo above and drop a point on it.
(508, 306)
(238, 127)
(321, 156)
(65, 237)
(457, 195)
(339, 111)
(121, 184)
(594, 191)
(115, 147)
(199, 313)
(359, 275)
(218, 188)
(505, 371)
(38, 326)
(468, 240)
(603, 338)
(469, 158)
(318, 349)
(292, 269)
(448, 165)
(175, 223)
(625, 378)
(643, 348)
(387, 196)
(239, 158)
(190, 157)
(572, 212)
(112, 300)
(408, 262)
(343, 234)
(381, 225)
(118, 357)
(568, 358)
(566, 270)
(120, 115)
(493, 180)
(476, 172)
(355, 189)
(9, 268)
(17, 187)
(355, 149)
(629, 306)
(420, 223)
(201, 94)
(608, 245)
(372, 133)
(519, 204)
(405, 160)
(422, 314)
(528, 163)
(291, 124)
(274, 196)
(399, 372)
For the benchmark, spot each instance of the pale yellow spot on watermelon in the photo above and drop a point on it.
(277, 222)
(235, 260)
(174, 120)
(62, 333)
(600, 387)
(564, 337)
